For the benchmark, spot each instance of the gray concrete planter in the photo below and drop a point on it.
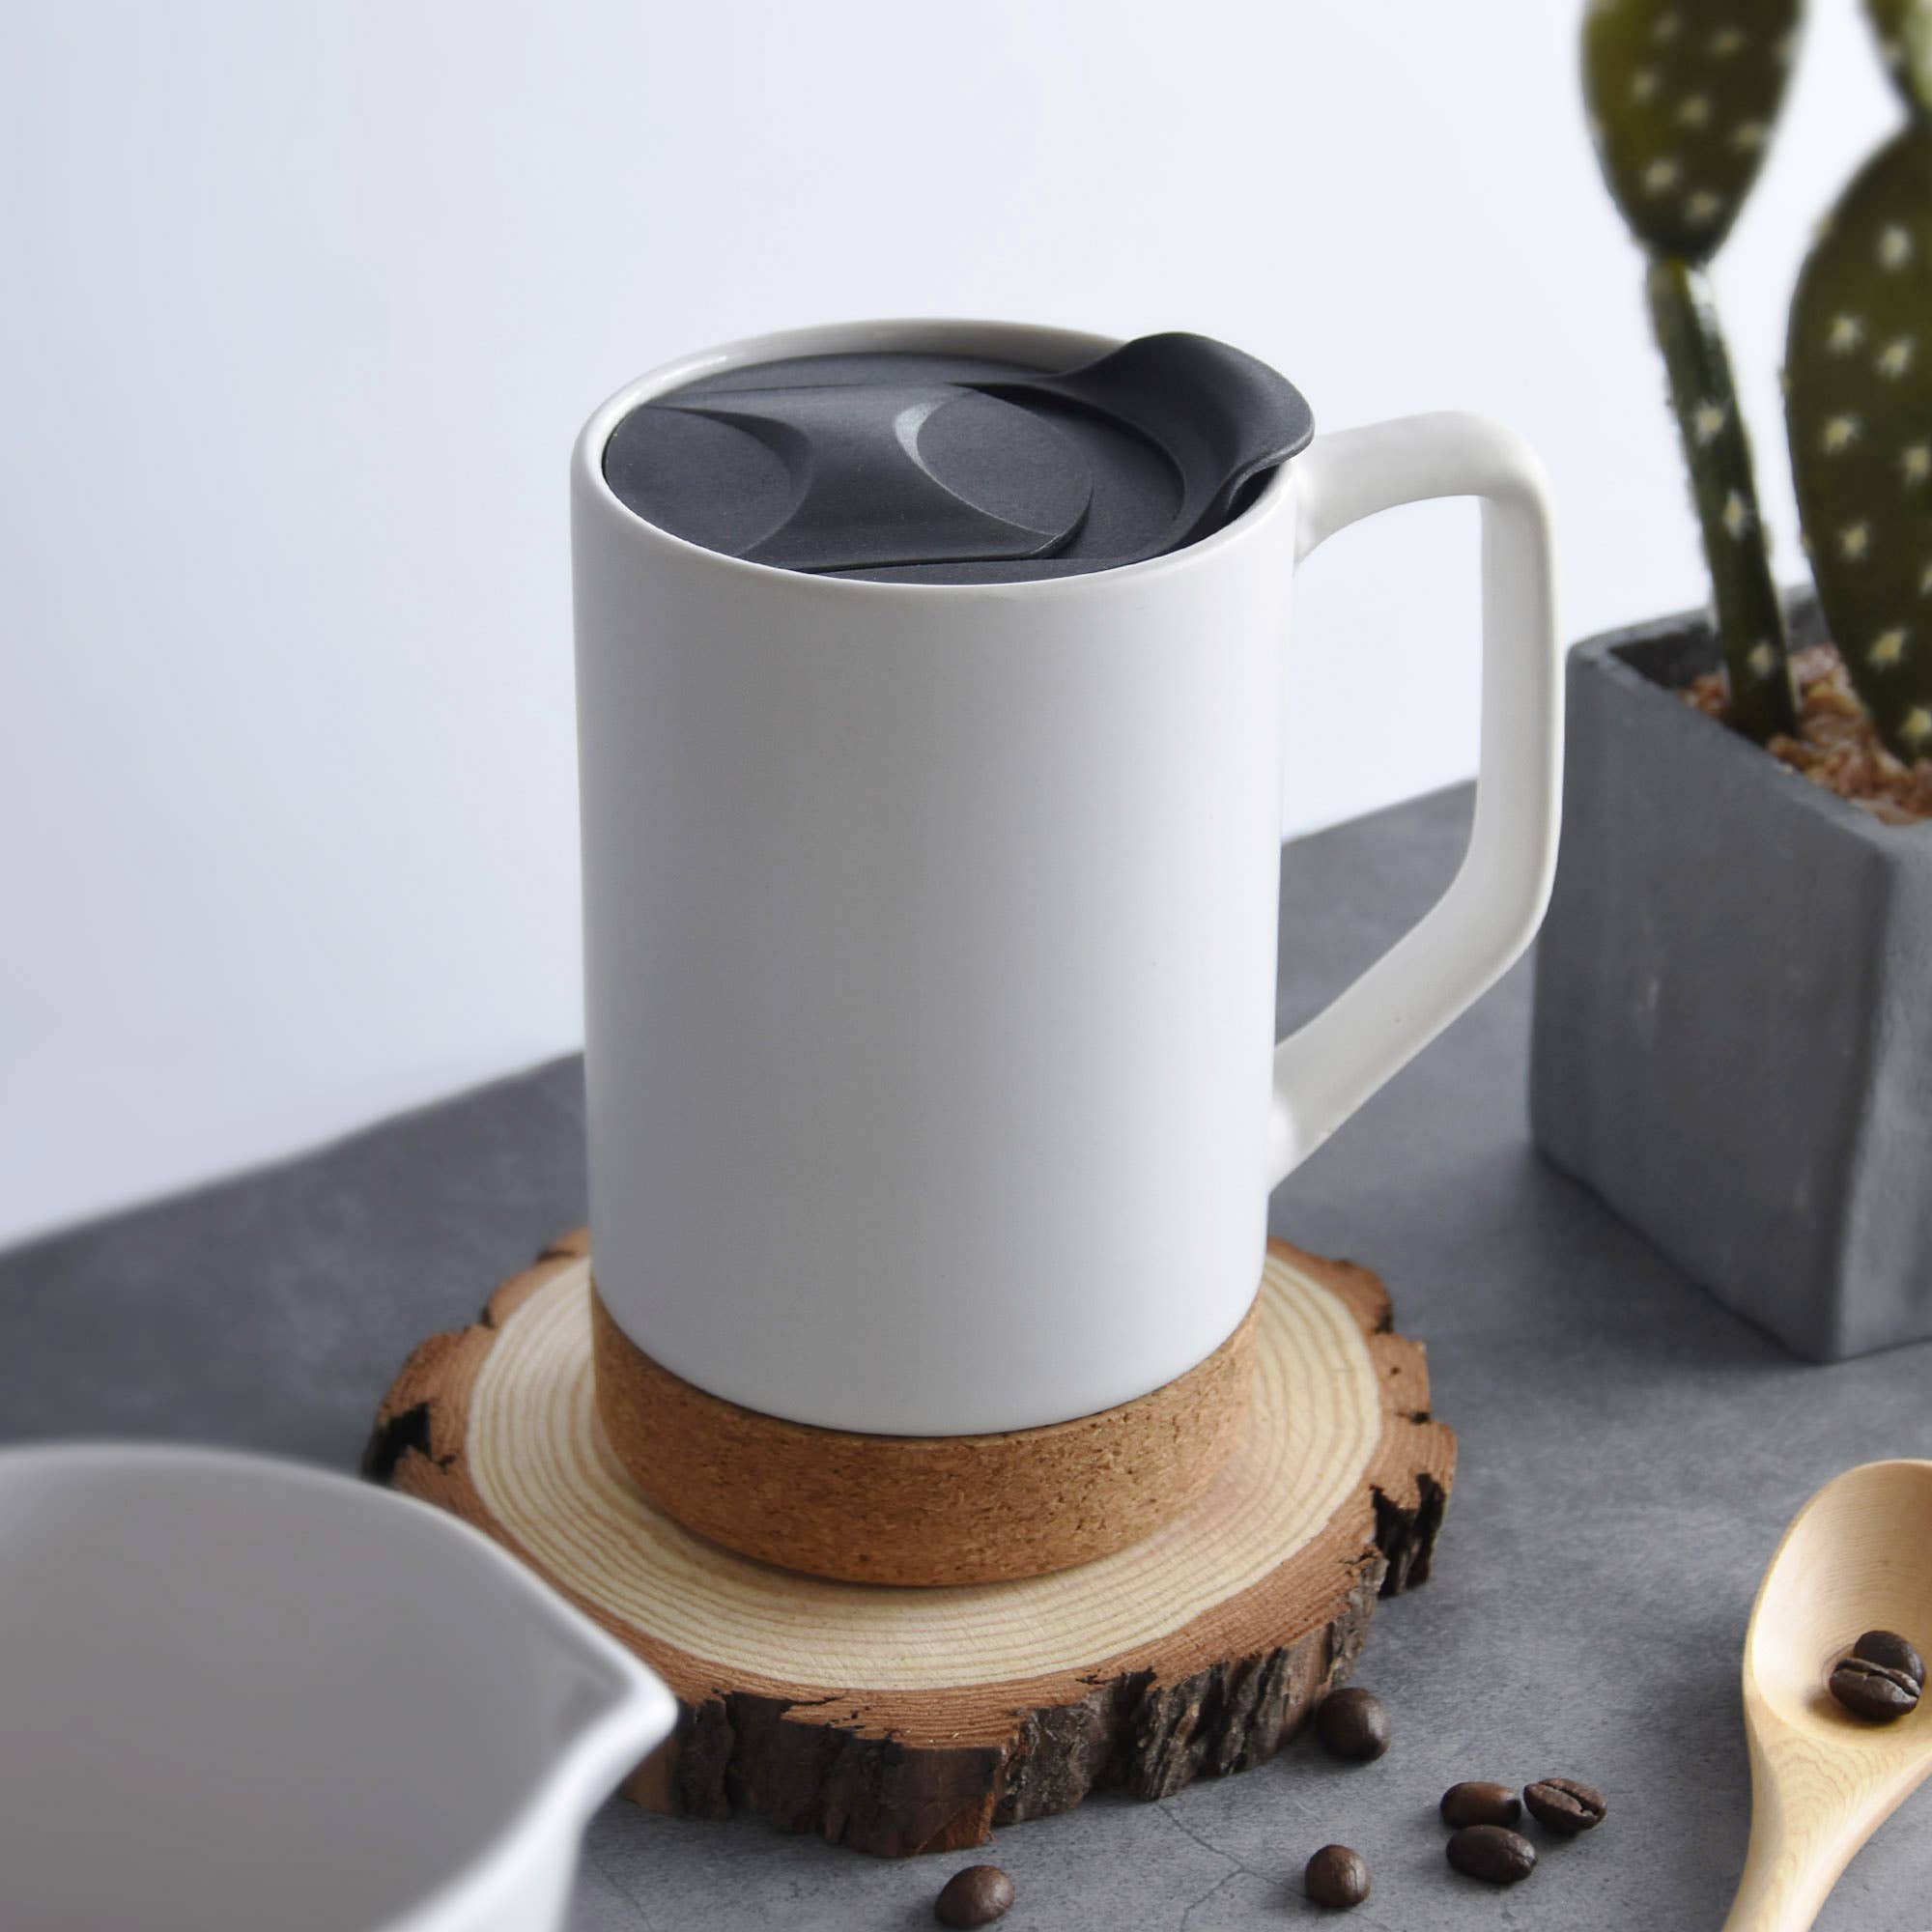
(1733, 1033)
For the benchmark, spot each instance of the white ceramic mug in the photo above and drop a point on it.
(930, 931)
(238, 1693)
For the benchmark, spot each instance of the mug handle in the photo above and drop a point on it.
(1325, 1069)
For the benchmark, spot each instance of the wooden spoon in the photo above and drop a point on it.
(1856, 1557)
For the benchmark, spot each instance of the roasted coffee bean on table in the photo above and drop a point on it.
(1492, 1853)
(974, 1896)
(1352, 1724)
(1336, 1876)
(1477, 1802)
(1565, 1805)
(1873, 1692)
(1894, 1652)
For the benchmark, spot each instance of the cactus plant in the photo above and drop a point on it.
(1859, 407)
(1733, 1029)
(1682, 99)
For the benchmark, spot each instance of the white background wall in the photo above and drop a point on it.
(305, 302)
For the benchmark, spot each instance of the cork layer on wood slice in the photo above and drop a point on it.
(918, 1509)
(902, 1719)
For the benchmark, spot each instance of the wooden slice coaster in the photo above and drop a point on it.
(903, 1720)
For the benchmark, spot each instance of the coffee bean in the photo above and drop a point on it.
(1565, 1805)
(1480, 1804)
(1889, 1648)
(1873, 1692)
(1492, 1852)
(1336, 1876)
(974, 1896)
(1352, 1724)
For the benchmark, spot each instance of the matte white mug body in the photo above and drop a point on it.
(930, 931)
(239, 1693)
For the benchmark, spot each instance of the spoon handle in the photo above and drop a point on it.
(1801, 1840)
(1780, 1894)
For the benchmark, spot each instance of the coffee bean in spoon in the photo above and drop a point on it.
(1336, 1876)
(1492, 1852)
(1564, 1806)
(974, 1896)
(1352, 1724)
(1889, 1648)
(1872, 1691)
(1477, 1802)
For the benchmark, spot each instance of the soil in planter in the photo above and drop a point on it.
(1837, 745)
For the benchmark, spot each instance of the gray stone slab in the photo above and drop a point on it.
(1630, 1452)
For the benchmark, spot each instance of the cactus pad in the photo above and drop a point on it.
(1904, 29)
(1683, 95)
(1748, 613)
(1859, 411)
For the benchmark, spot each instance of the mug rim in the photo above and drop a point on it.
(1043, 344)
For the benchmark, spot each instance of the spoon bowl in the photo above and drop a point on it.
(1856, 1557)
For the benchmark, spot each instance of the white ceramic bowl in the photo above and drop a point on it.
(238, 1693)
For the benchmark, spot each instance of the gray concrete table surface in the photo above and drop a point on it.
(1630, 1453)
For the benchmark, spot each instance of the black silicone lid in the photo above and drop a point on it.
(959, 470)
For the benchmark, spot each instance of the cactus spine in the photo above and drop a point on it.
(1682, 97)
(1858, 406)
